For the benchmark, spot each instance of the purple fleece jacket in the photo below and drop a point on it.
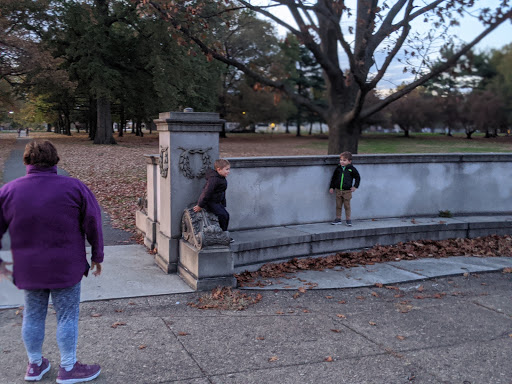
(48, 217)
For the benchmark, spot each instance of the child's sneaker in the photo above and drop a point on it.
(36, 372)
(336, 222)
(79, 374)
(349, 223)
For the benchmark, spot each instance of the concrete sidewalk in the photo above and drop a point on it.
(128, 271)
(447, 330)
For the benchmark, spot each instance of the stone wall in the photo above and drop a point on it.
(276, 191)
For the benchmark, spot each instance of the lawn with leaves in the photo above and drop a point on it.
(115, 173)
(7, 141)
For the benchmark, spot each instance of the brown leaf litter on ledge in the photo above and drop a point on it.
(487, 246)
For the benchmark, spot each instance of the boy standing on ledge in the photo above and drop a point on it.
(213, 196)
(344, 181)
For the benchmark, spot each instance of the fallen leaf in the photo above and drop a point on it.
(260, 338)
(375, 294)
(143, 346)
(328, 297)
(183, 334)
(342, 302)
(507, 270)
(117, 324)
(119, 310)
(273, 358)
(280, 313)
(329, 359)
(360, 298)
(420, 288)
(341, 316)
(296, 295)
(305, 311)
(419, 297)
(302, 290)
(392, 287)
(336, 330)
(379, 285)
(373, 323)
(96, 315)
(400, 337)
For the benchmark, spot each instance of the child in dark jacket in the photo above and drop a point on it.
(344, 181)
(213, 196)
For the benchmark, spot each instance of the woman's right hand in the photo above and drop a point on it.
(4, 272)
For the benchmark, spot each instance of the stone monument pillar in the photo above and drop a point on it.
(188, 146)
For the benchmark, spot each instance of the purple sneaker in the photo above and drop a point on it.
(36, 372)
(79, 374)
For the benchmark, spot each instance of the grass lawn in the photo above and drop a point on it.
(425, 143)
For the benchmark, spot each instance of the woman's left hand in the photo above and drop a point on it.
(96, 268)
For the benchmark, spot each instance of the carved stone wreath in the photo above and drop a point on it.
(164, 161)
(184, 163)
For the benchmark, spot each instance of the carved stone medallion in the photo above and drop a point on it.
(185, 166)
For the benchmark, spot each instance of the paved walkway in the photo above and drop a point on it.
(441, 331)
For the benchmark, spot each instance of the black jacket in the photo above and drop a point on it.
(350, 178)
(214, 190)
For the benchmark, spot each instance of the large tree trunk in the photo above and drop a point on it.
(122, 122)
(343, 136)
(67, 124)
(104, 128)
(92, 119)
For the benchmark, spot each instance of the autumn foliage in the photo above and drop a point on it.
(488, 246)
(226, 299)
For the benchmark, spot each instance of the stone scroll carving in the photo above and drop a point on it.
(164, 161)
(201, 229)
(184, 162)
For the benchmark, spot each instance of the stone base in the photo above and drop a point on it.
(167, 256)
(206, 268)
(147, 227)
(165, 265)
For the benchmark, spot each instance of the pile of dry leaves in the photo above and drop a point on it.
(225, 298)
(481, 247)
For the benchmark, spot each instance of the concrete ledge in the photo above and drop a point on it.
(257, 247)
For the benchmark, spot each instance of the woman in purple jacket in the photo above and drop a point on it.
(48, 217)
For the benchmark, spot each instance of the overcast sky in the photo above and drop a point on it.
(469, 28)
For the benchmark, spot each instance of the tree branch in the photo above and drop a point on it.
(394, 51)
(279, 85)
(435, 72)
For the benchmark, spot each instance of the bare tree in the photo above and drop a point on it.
(380, 33)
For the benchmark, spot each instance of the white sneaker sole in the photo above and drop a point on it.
(73, 381)
(37, 378)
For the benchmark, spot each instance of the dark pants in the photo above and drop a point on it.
(223, 215)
